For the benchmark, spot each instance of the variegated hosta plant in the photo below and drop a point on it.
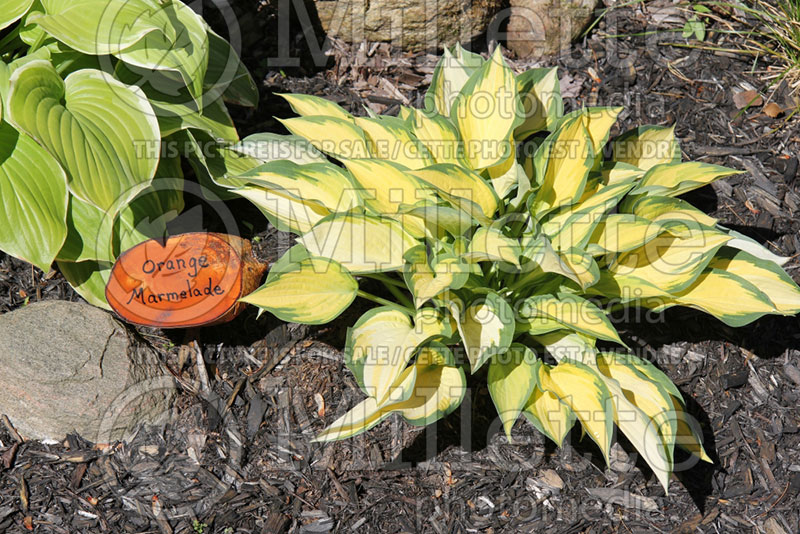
(503, 231)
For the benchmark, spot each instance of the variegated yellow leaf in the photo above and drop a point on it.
(711, 292)
(456, 181)
(511, 379)
(369, 412)
(689, 432)
(623, 232)
(439, 389)
(668, 262)
(540, 95)
(549, 415)
(438, 135)
(361, 243)
(380, 345)
(449, 78)
(582, 389)
(642, 432)
(673, 179)
(386, 186)
(571, 311)
(314, 291)
(324, 183)
(569, 158)
(332, 135)
(647, 146)
(489, 244)
(283, 210)
(485, 112)
(309, 105)
(770, 279)
(391, 140)
(486, 327)
(662, 209)
(646, 394)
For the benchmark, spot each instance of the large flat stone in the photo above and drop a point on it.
(71, 367)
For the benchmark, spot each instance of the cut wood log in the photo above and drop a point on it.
(188, 280)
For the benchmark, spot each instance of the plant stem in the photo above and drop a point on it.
(384, 302)
(399, 295)
(385, 279)
(36, 44)
(9, 38)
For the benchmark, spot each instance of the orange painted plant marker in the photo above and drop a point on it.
(186, 280)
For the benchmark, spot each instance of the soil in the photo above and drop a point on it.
(237, 456)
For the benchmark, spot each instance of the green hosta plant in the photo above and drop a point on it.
(503, 232)
(99, 100)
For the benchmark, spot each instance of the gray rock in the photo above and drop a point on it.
(538, 28)
(71, 367)
(409, 24)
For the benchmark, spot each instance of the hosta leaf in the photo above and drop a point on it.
(90, 233)
(668, 262)
(689, 432)
(489, 244)
(386, 186)
(309, 105)
(571, 311)
(449, 77)
(646, 394)
(511, 379)
(573, 226)
(566, 344)
(428, 280)
(362, 243)
(382, 342)
(185, 54)
(568, 157)
(664, 209)
(456, 181)
(99, 27)
(438, 135)
(486, 327)
(89, 279)
(549, 415)
(147, 216)
(266, 147)
(13, 11)
(711, 292)
(316, 291)
(226, 75)
(508, 174)
(439, 389)
(392, 140)
(320, 182)
(285, 212)
(485, 112)
(647, 146)
(332, 135)
(770, 279)
(754, 248)
(175, 108)
(542, 256)
(623, 232)
(102, 132)
(540, 94)
(584, 391)
(615, 172)
(583, 265)
(368, 412)
(642, 432)
(673, 179)
(33, 197)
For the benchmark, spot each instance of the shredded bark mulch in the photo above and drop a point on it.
(236, 456)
